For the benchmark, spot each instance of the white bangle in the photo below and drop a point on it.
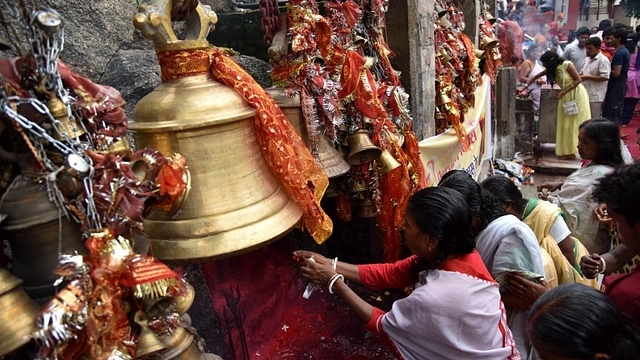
(333, 280)
(604, 265)
(334, 263)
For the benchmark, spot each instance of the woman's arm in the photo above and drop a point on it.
(611, 261)
(533, 78)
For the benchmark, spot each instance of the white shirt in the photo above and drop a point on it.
(597, 66)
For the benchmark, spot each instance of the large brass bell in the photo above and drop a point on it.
(235, 204)
(36, 232)
(488, 43)
(387, 162)
(17, 314)
(361, 149)
(290, 106)
(179, 346)
(330, 159)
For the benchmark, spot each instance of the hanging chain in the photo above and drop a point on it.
(270, 18)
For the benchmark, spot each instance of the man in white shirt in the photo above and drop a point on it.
(576, 53)
(595, 75)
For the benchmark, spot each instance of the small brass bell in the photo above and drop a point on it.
(441, 11)
(332, 163)
(366, 209)
(445, 23)
(361, 148)
(180, 346)
(445, 55)
(148, 342)
(387, 162)
(444, 98)
(478, 53)
(183, 302)
(488, 43)
(490, 18)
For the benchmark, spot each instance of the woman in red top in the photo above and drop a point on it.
(454, 311)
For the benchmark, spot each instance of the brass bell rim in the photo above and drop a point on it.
(176, 343)
(8, 281)
(283, 101)
(224, 244)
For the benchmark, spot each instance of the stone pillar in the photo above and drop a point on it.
(505, 88)
(410, 35)
(524, 125)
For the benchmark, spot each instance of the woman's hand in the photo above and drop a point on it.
(315, 267)
(550, 186)
(591, 265)
(601, 214)
(525, 292)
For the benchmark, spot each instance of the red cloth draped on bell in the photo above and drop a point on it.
(285, 152)
(283, 148)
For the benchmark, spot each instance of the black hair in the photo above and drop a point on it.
(505, 191)
(604, 24)
(631, 42)
(443, 214)
(619, 190)
(606, 134)
(577, 321)
(607, 32)
(620, 34)
(550, 60)
(484, 207)
(594, 41)
(583, 30)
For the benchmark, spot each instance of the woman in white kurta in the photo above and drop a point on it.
(454, 311)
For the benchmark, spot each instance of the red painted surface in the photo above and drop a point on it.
(258, 299)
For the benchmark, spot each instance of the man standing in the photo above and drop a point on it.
(595, 75)
(617, 86)
(575, 52)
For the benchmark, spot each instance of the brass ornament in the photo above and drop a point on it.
(361, 149)
(441, 11)
(148, 342)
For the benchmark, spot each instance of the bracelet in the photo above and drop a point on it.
(334, 263)
(333, 280)
(604, 265)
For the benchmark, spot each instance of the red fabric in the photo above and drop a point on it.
(388, 276)
(631, 139)
(399, 275)
(624, 291)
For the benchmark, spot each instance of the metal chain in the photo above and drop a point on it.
(270, 18)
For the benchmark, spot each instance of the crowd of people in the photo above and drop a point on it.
(494, 275)
(597, 74)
